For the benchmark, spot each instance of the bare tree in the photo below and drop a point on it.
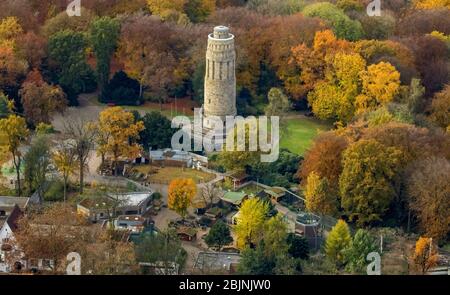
(83, 135)
(210, 193)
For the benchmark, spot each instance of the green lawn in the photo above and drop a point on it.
(300, 132)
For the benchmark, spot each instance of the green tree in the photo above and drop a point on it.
(157, 132)
(275, 236)
(6, 106)
(355, 255)
(337, 241)
(416, 94)
(278, 103)
(343, 26)
(199, 10)
(104, 34)
(255, 262)
(298, 246)
(219, 235)
(163, 248)
(68, 50)
(367, 183)
(37, 163)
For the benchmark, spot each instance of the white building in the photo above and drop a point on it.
(7, 229)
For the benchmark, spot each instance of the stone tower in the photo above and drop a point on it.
(220, 78)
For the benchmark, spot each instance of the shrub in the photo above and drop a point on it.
(55, 192)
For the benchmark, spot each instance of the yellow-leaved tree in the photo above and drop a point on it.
(380, 84)
(337, 241)
(65, 159)
(167, 9)
(334, 98)
(13, 133)
(10, 29)
(320, 197)
(118, 132)
(250, 222)
(432, 4)
(181, 193)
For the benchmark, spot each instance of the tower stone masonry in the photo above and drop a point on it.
(220, 77)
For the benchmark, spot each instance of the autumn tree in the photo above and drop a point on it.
(51, 234)
(324, 158)
(65, 161)
(152, 53)
(431, 59)
(10, 29)
(163, 7)
(337, 241)
(32, 48)
(12, 70)
(414, 142)
(320, 197)
(425, 256)
(104, 35)
(334, 98)
(250, 222)
(380, 84)
(440, 108)
(313, 62)
(41, 100)
(367, 183)
(181, 193)
(14, 131)
(121, 131)
(431, 4)
(428, 191)
(219, 235)
(62, 22)
(107, 254)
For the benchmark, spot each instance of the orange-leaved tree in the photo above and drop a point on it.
(425, 257)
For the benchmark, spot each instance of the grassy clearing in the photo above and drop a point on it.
(167, 174)
(300, 132)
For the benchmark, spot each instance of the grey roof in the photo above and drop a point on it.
(7, 201)
(216, 260)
